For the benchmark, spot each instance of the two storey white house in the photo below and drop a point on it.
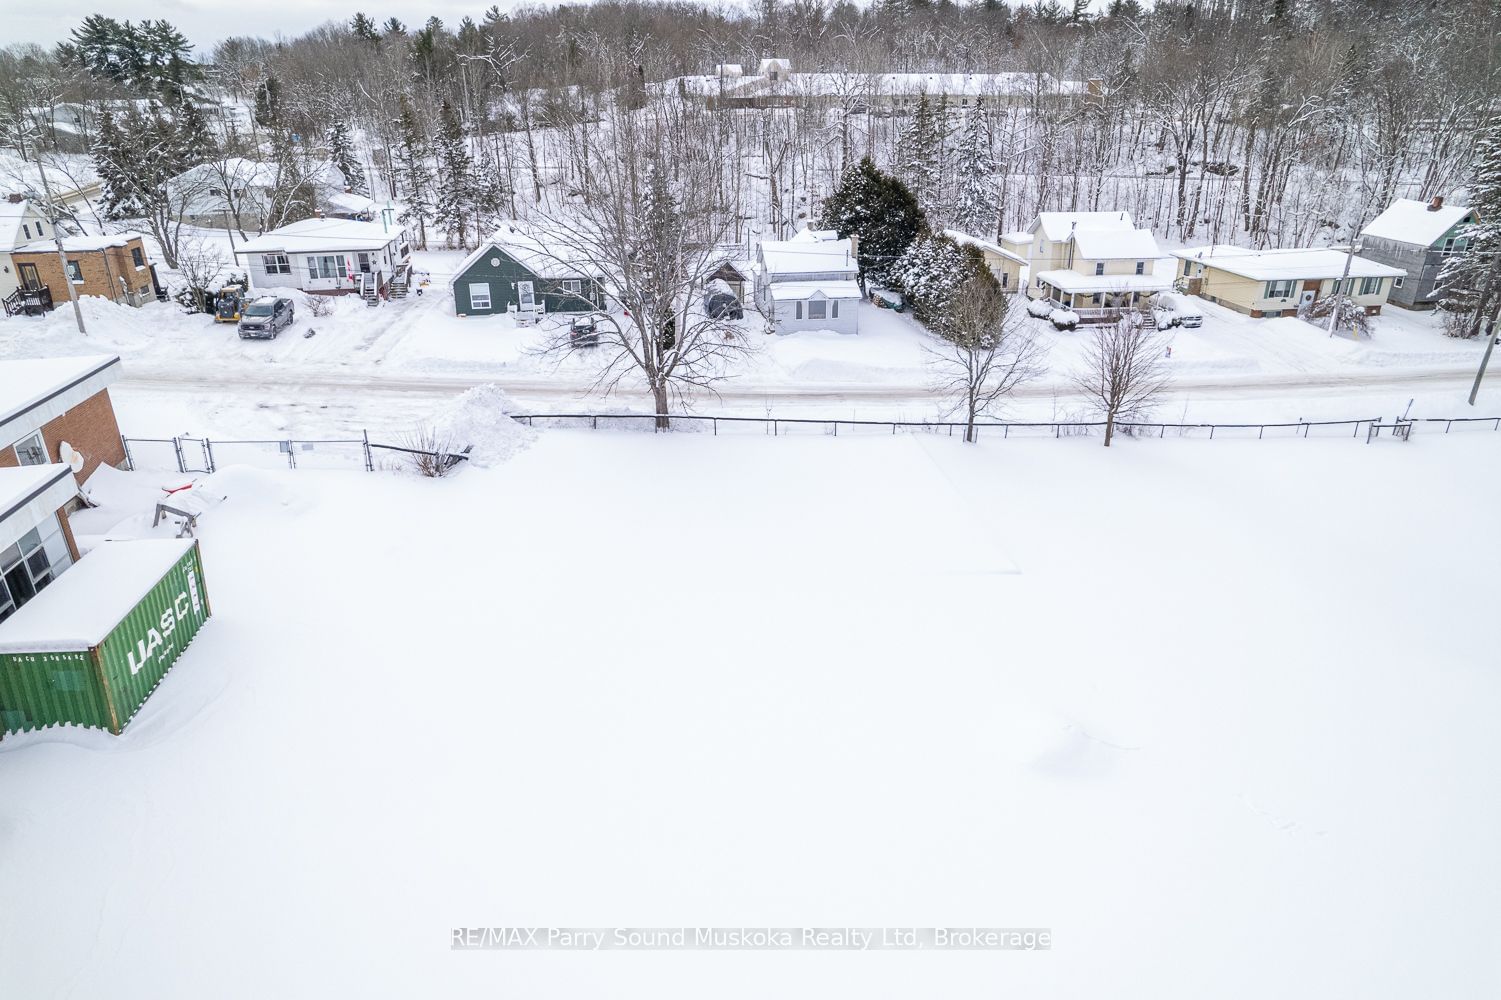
(331, 257)
(808, 283)
(1094, 263)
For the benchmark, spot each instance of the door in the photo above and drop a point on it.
(1306, 299)
(28, 276)
(364, 263)
(526, 296)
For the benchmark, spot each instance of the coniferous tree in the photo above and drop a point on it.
(454, 194)
(921, 150)
(363, 28)
(880, 210)
(974, 208)
(341, 152)
(1470, 279)
(414, 177)
(933, 269)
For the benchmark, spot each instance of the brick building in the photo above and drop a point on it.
(114, 267)
(47, 403)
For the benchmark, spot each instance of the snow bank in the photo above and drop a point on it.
(481, 418)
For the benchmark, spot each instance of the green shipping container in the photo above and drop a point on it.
(90, 648)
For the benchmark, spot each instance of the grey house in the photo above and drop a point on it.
(518, 271)
(808, 283)
(1416, 236)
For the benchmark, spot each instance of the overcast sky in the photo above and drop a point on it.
(206, 22)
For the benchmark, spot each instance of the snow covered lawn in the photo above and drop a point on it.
(1220, 714)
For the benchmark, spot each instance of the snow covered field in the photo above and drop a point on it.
(1220, 714)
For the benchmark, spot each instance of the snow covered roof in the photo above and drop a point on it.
(788, 291)
(312, 235)
(1409, 221)
(1057, 226)
(12, 214)
(878, 84)
(1116, 244)
(28, 494)
(990, 246)
(1074, 283)
(34, 391)
(808, 256)
(1275, 265)
(1018, 238)
(544, 255)
(349, 203)
(810, 235)
(83, 605)
(81, 244)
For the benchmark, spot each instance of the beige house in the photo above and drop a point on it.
(1006, 258)
(1094, 263)
(1277, 282)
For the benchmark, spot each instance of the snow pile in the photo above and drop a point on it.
(480, 419)
(1039, 308)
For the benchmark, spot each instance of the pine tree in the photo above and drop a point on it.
(921, 149)
(1470, 280)
(932, 270)
(974, 208)
(880, 210)
(268, 103)
(342, 153)
(363, 28)
(414, 176)
(455, 185)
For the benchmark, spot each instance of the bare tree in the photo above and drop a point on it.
(1123, 373)
(650, 245)
(987, 350)
(200, 262)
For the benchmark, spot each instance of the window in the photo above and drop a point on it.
(32, 563)
(479, 295)
(276, 263)
(31, 450)
(1099, 268)
(1095, 299)
(817, 309)
(1005, 277)
(1185, 268)
(26, 229)
(1449, 245)
(1280, 289)
(136, 257)
(834, 309)
(328, 266)
(1397, 281)
(39, 230)
(799, 310)
(1141, 267)
(75, 272)
(1370, 286)
(573, 286)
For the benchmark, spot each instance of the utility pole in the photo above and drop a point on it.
(1485, 359)
(57, 238)
(1339, 288)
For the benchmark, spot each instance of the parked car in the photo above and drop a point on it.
(1171, 309)
(723, 305)
(888, 300)
(264, 318)
(584, 332)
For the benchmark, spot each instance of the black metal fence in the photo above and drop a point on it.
(189, 454)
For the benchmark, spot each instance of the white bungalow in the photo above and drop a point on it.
(331, 257)
(808, 283)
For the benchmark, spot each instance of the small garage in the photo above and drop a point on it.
(92, 647)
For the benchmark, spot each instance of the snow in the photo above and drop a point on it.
(480, 419)
(1072, 282)
(12, 214)
(30, 493)
(81, 244)
(84, 604)
(965, 239)
(312, 235)
(656, 680)
(791, 290)
(808, 256)
(26, 383)
(1116, 244)
(544, 254)
(1058, 226)
(1409, 221)
(1272, 265)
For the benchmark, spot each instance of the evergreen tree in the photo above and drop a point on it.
(342, 153)
(974, 208)
(268, 103)
(1470, 279)
(920, 152)
(363, 28)
(877, 208)
(394, 28)
(932, 270)
(414, 176)
(455, 184)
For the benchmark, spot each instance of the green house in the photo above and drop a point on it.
(516, 271)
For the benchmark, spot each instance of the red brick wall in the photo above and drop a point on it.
(90, 427)
(103, 271)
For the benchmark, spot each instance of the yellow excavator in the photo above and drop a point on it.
(229, 304)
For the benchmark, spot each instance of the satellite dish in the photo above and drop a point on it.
(71, 456)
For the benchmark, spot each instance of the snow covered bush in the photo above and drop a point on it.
(1039, 308)
(1350, 317)
(931, 272)
(1064, 319)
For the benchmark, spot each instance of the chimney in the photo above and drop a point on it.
(1436, 204)
(855, 245)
